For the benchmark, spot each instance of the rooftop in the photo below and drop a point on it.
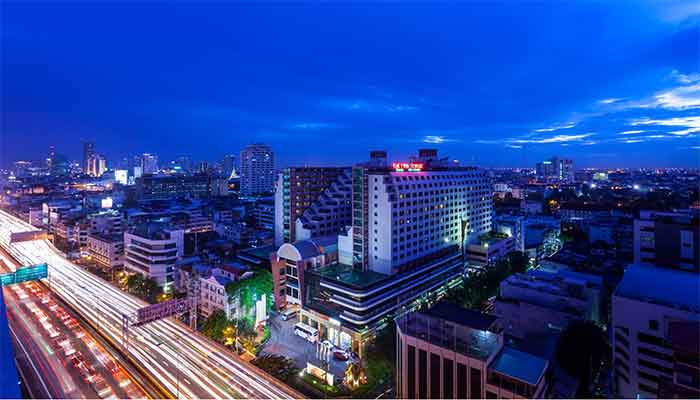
(519, 365)
(462, 316)
(346, 274)
(663, 286)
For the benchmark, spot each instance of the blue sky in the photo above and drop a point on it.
(489, 83)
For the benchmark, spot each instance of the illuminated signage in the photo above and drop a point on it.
(407, 167)
(32, 273)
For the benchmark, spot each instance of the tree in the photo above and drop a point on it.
(279, 366)
(582, 347)
(517, 261)
(215, 325)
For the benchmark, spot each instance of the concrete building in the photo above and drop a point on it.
(107, 250)
(314, 198)
(668, 239)
(96, 165)
(291, 261)
(489, 248)
(155, 187)
(654, 331)
(615, 231)
(110, 222)
(152, 250)
(88, 151)
(257, 169)
(264, 214)
(538, 301)
(451, 353)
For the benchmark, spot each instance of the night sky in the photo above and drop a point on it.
(489, 84)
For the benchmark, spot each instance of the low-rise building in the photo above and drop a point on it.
(107, 250)
(655, 314)
(448, 352)
(152, 250)
(489, 248)
(538, 301)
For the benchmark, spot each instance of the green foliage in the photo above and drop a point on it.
(144, 288)
(215, 325)
(278, 366)
(319, 385)
(478, 286)
(247, 290)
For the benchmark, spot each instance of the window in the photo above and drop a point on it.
(411, 373)
(435, 376)
(422, 374)
(653, 325)
(447, 379)
(475, 382)
(462, 381)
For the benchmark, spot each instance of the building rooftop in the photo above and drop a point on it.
(347, 275)
(110, 238)
(664, 286)
(462, 316)
(519, 365)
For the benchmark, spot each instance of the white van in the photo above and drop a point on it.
(307, 332)
(289, 314)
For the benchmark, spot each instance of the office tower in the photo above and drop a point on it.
(152, 250)
(88, 151)
(668, 239)
(96, 165)
(655, 314)
(51, 158)
(202, 167)
(317, 199)
(149, 163)
(557, 169)
(257, 169)
(185, 163)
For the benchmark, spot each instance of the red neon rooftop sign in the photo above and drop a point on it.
(404, 166)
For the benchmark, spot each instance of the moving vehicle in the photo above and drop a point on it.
(307, 332)
(289, 314)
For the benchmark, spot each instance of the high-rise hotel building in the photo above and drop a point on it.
(410, 222)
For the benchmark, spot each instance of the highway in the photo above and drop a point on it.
(183, 363)
(59, 357)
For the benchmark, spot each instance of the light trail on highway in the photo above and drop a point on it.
(184, 363)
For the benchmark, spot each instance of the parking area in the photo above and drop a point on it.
(284, 342)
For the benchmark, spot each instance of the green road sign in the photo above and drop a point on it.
(25, 274)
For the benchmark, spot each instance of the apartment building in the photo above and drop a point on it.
(257, 162)
(311, 202)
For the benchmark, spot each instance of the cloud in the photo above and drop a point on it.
(685, 131)
(684, 78)
(555, 139)
(631, 132)
(679, 98)
(689, 122)
(514, 146)
(312, 125)
(555, 128)
(436, 139)
(634, 141)
(610, 100)
(369, 106)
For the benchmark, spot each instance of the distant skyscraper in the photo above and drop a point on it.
(149, 163)
(556, 169)
(96, 165)
(52, 156)
(88, 151)
(228, 164)
(185, 163)
(257, 169)
(202, 167)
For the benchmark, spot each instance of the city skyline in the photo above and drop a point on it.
(621, 91)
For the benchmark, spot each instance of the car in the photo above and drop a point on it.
(341, 355)
(69, 350)
(327, 343)
(45, 299)
(101, 387)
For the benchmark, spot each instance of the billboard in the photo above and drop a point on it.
(162, 310)
(27, 236)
